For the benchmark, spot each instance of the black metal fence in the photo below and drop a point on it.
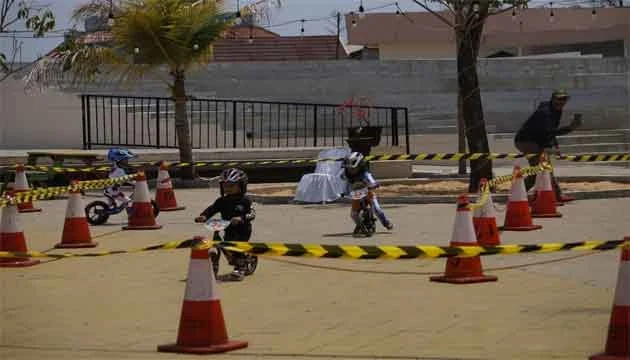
(216, 123)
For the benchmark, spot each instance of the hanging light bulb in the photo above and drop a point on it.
(250, 39)
(302, 29)
(594, 14)
(514, 14)
(552, 17)
(361, 10)
(196, 47)
(354, 21)
(397, 9)
(238, 10)
(136, 50)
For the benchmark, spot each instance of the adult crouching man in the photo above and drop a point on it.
(538, 134)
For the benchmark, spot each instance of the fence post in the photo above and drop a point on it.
(407, 130)
(89, 122)
(394, 116)
(157, 120)
(83, 124)
(314, 125)
(234, 124)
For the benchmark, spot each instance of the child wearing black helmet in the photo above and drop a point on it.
(234, 206)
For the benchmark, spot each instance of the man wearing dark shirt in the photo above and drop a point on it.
(538, 133)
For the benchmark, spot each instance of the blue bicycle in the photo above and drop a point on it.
(98, 212)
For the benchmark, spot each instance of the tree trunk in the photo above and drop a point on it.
(472, 108)
(461, 135)
(181, 126)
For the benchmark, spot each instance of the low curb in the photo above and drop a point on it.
(439, 199)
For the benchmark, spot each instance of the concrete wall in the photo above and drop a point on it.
(45, 120)
(510, 89)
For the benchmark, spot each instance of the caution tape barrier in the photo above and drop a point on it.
(49, 192)
(358, 252)
(385, 157)
(485, 191)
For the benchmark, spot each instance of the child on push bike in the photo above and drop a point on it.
(236, 207)
(355, 169)
(120, 161)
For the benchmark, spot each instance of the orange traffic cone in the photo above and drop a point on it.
(518, 216)
(142, 216)
(544, 205)
(21, 185)
(201, 326)
(464, 270)
(76, 231)
(485, 220)
(12, 238)
(618, 342)
(164, 194)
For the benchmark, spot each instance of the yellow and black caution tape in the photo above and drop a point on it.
(596, 157)
(485, 191)
(304, 161)
(358, 252)
(173, 245)
(364, 252)
(49, 192)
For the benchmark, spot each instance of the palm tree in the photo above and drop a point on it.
(148, 36)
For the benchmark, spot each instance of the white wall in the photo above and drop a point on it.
(37, 121)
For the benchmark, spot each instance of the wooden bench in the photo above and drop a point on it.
(58, 158)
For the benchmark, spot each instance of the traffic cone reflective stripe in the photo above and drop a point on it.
(618, 340)
(517, 215)
(202, 327)
(76, 230)
(164, 194)
(544, 205)
(12, 238)
(463, 270)
(142, 216)
(484, 220)
(21, 185)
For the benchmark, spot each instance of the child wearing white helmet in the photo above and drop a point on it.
(356, 169)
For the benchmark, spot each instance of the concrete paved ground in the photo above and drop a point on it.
(123, 306)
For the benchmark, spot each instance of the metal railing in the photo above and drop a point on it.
(132, 121)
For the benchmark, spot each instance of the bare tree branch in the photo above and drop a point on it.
(442, 18)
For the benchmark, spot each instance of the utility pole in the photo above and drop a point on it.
(339, 34)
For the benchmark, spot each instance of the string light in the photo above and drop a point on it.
(110, 16)
(361, 10)
(196, 47)
(397, 9)
(593, 12)
(513, 14)
(302, 29)
(354, 21)
(551, 14)
(136, 50)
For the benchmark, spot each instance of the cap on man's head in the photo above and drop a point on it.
(560, 94)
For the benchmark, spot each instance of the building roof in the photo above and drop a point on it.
(292, 48)
(266, 45)
(530, 27)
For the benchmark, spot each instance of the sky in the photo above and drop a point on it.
(291, 10)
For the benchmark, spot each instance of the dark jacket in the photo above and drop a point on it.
(542, 127)
(231, 206)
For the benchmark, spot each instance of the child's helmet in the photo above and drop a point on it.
(116, 154)
(234, 175)
(355, 160)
